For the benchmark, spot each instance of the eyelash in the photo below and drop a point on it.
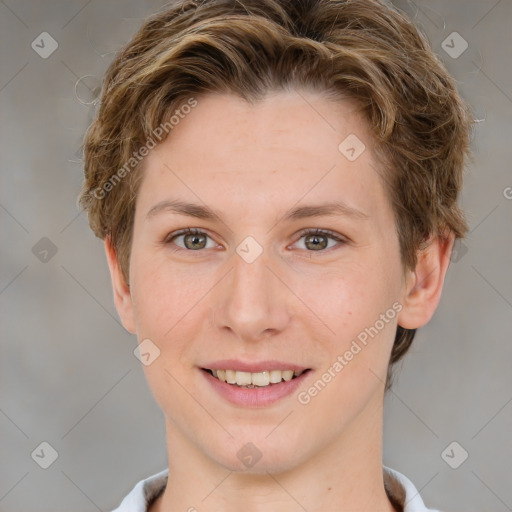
(305, 232)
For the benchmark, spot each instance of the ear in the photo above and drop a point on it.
(424, 284)
(122, 295)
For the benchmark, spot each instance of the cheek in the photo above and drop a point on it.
(167, 307)
(351, 299)
(355, 359)
(171, 308)
(165, 297)
(360, 308)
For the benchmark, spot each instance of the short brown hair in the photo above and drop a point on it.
(364, 50)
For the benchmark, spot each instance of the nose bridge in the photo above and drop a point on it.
(253, 301)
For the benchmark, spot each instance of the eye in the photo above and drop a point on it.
(316, 240)
(193, 239)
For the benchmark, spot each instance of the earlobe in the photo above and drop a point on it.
(425, 284)
(121, 290)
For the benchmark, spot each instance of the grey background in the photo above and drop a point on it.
(68, 373)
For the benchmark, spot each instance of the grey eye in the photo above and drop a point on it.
(192, 240)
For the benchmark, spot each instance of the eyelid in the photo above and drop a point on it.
(325, 232)
(184, 231)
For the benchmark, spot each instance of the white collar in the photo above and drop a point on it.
(397, 485)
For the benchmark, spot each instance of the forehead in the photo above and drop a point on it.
(284, 123)
(289, 146)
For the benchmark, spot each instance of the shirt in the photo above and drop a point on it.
(399, 488)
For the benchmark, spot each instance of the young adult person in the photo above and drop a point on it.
(276, 184)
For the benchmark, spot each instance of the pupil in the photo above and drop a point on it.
(195, 239)
(315, 243)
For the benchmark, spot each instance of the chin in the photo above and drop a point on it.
(259, 456)
(273, 464)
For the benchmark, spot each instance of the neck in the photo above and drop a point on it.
(345, 475)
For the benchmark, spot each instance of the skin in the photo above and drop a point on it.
(293, 303)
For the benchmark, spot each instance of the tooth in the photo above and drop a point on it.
(275, 376)
(287, 375)
(260, 379)
(231, 376)
(243, 378)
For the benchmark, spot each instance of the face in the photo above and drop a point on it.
(270, 276)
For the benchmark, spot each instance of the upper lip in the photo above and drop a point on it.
(252, 366)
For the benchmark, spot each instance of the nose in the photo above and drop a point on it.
(252, 301)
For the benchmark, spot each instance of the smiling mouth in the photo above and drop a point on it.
(254, 380)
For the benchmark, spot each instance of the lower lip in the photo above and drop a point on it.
(254, 397)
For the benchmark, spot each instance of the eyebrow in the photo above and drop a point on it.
(337, 208)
